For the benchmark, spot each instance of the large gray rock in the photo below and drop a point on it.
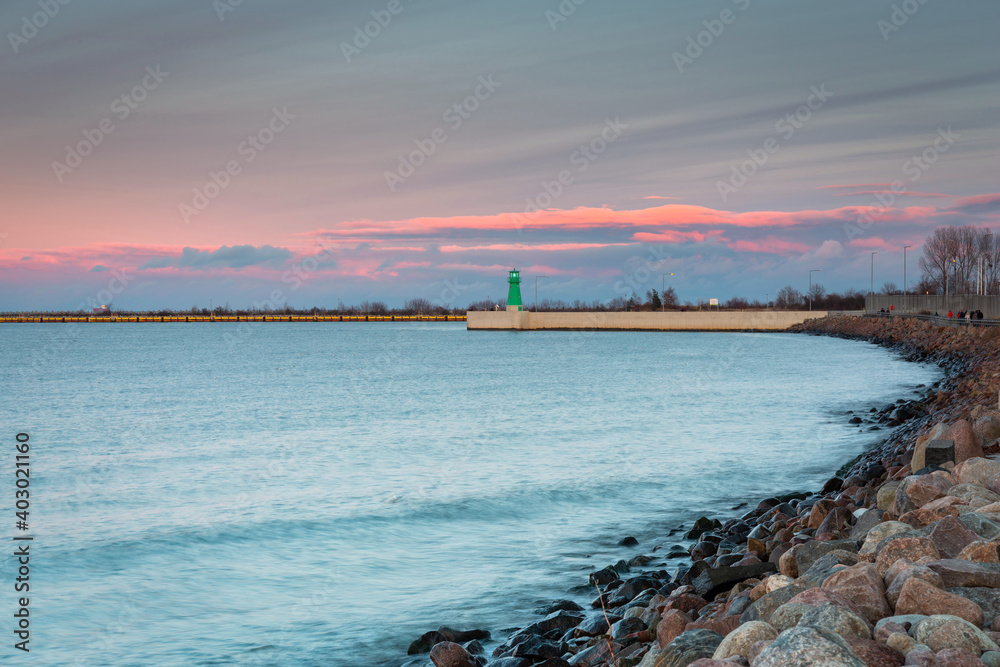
(865, 523)
(837, 619)
(808, 647)
(981, 525)
(688, 647)
(762, 609)
(717, 579)
(945, 631)
(807, 554)
(962, 573)
(739, 641)
(988, 600)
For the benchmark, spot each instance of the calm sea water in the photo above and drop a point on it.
(268, 494)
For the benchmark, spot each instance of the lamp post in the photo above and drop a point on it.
(811, 272)
(663, 289)
(904, 276)
(536, 291)
(871, 289)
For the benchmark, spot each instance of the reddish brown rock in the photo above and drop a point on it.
(723, 625)
(833, 526)
(921, 572)
(819, 512)
(684, 602)
(863, 585)
(814, 597)
(912, 548)
(449, 654)
(958, 657)
(927, 488)
(961, 573)
(950, 536)
(671, 626)
(925, 517)
(981, 552)
(788, 565)
(874, 654)
(920, 597)
(966, 443)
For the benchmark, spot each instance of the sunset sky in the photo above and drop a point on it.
(177, 152)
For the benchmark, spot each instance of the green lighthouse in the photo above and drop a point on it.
(514, 293)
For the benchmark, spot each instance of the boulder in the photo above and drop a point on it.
(885, 498)
(977, 471)
(671, 626)
(881, 532)
(762, 609)
(873, 653)
(921, 572)
(981, 552)
(688, 647)
(739, 641)
(866, 522)
(836, 619)
(958, 657)
(962, 573)
(987, 599)
(450, 654)
(595, 656)
(716, 579)
(919, 459)
(787, 615)
(946, 631)
(981, 525)
(977, 496)
(806, 646)
(919, 597)
(912, 548)
(950, 536)
(966, 443)
(807, 554)
(862, 584)
(925, 488)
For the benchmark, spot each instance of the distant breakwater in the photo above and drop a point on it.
(123, 319)
(896, 559)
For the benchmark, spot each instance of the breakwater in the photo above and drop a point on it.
(113, 319)
(896, 559)
(768, 320)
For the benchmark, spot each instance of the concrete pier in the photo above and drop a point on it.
(769, 320)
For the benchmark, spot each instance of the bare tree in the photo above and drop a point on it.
(954, 256)
(816, 293)
(889, 287)
(788, 298)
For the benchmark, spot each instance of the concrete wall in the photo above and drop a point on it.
(911, 303)
(771, 320)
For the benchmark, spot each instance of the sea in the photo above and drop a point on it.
(322, 494)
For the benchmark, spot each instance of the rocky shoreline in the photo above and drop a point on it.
(895, 562)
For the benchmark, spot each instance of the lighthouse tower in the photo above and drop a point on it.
(514, 293)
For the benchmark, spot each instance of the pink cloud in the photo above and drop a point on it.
(905, 193)
(671, 236)
(516, 247)
(855, 185)
(770, 245)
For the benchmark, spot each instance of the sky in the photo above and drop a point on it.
(165, 154)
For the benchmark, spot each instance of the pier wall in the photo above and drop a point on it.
(771, 320)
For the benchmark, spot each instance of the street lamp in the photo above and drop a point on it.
(663, 289)
(536, 291)
(811, 272)
(904, 276)
(871, 289)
